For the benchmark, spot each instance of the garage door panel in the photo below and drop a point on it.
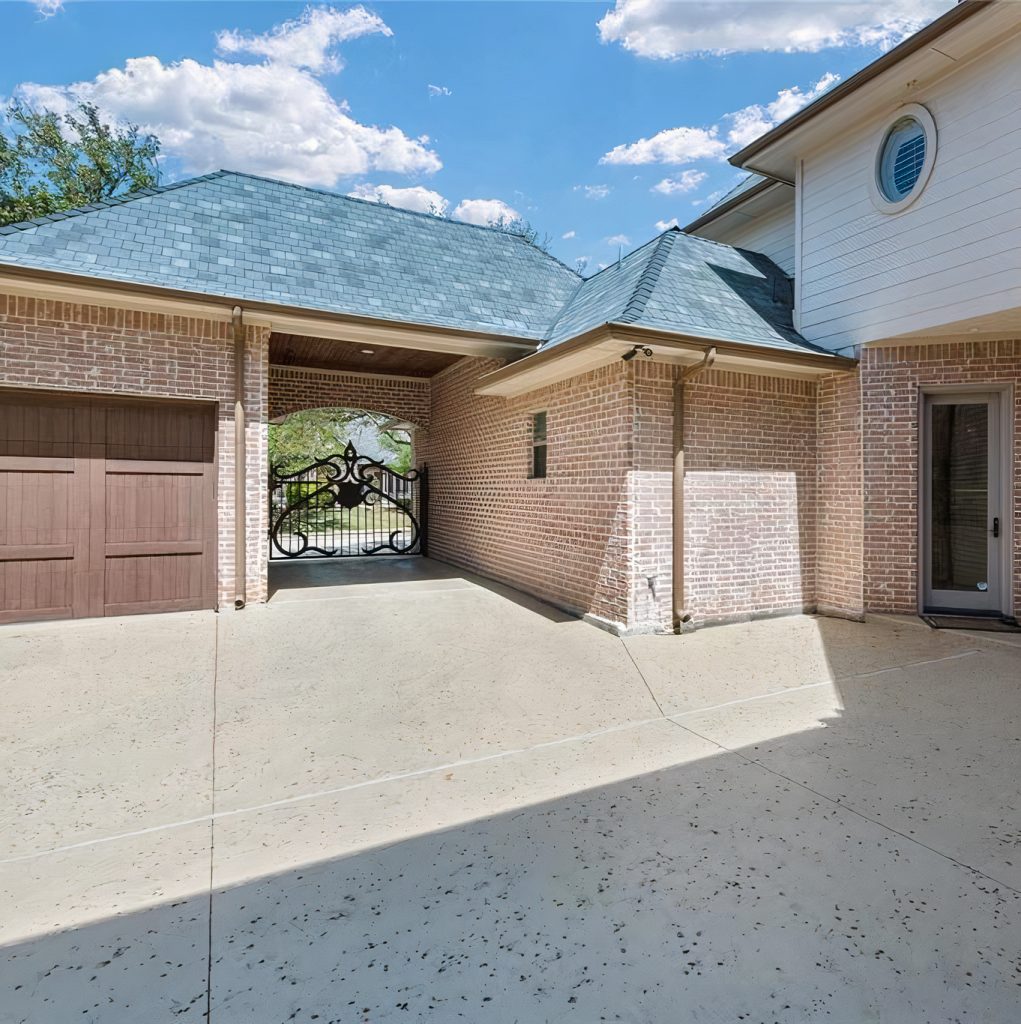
(40, 537)
(105, 507)
(146, 583)
(30, 430)
(36, 506)
(159, 433)
(38, 588)
(154, 506)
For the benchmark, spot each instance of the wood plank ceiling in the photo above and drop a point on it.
(326, 354)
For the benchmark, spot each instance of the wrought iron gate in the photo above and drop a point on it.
(347, 505)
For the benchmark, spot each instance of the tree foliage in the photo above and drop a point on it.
(50, 162)
(305, 437)
(520, 226)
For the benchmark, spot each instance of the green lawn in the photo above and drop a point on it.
(362, 518)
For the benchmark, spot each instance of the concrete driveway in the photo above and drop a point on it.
(410, 795)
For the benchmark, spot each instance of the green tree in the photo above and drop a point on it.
(50, 162)
(305, 437)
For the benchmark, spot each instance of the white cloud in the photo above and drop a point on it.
(307, 41)
(440, 90)
(566, 235)
(665, 29)
(618, 240)
(485, 212)
(47, 8)
(685, 145)
(593, 191)
(666, 225)
(417, 197)
(750, 122)
(672, 146)
(686, 181)
(269, 118)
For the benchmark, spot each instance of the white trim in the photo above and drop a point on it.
(799, 201)
(918, 113)
(1004, 393)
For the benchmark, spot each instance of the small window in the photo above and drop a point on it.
(903, 157)
(905, 154)
(538, 445)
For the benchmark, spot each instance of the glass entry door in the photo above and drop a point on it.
(962, 518)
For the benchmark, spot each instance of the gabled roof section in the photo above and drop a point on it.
(745, 185)
(241, 237)
(693, 287)
(922, 40)
(747, 188)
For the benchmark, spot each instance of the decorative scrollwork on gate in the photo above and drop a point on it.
(346, 504)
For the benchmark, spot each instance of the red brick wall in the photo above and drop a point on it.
(892, 378)
(840, 528)
(292, 389)
(749, 496)
(71, 347)
(596, 536)
(564, 538)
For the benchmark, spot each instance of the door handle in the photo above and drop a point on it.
(996, 526)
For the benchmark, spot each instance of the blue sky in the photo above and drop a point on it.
(605, 120)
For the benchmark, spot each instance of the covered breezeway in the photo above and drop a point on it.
(401, 792)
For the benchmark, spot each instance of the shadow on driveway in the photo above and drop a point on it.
(781, 821)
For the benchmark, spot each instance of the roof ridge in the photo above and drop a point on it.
(399, 210)
(654, 242)
(617, 262)
(128, 197)
(648, 278)
(104, 204)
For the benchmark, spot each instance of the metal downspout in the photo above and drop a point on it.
(240, 463)
(680, 614)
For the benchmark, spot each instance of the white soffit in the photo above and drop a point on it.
(904, 82)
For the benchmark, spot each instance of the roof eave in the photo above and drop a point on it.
(607, 343)
(724, 208)
(81, 288)
(921, 39)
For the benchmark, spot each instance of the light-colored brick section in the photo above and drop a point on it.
(839, 581)
(749, 496)
(892, 379)
(98, 350)
(652, 498)
(292, 389)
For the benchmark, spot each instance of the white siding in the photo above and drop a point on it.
(954, 253)
(771, 233)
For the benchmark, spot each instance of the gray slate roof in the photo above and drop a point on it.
(236, 236)
(749, 181)
(691, 286)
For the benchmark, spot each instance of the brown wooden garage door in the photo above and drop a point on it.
(106, 507)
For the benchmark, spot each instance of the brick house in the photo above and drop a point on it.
(804, 401)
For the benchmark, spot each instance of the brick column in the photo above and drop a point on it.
(841, 500)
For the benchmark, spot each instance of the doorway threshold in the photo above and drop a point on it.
(974, 623)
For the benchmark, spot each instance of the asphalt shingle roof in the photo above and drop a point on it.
(692, 286)
(236, 236)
